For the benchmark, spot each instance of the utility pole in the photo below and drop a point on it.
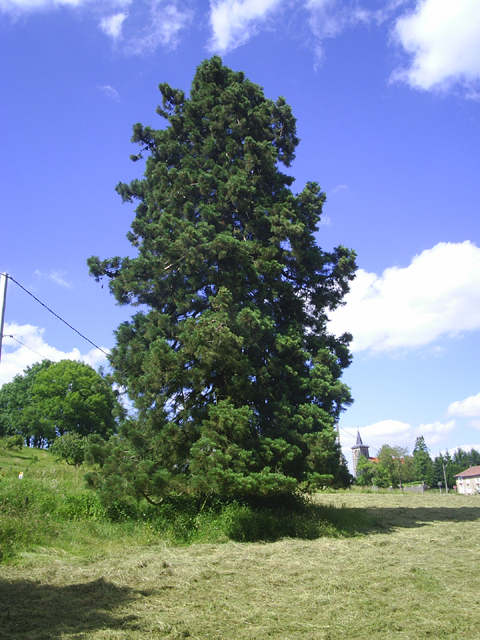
(338, 440)
(2, 308)
(445, 476)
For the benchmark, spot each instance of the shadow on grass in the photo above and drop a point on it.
(385, 519)
(256, 519)
(29, 610)
(306, 520)
(18, 456)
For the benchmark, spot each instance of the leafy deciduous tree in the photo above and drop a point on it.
(398, 464)
(51, 399)
(70, 396)
(69, 447)
(17, 415)
(365, 472)
(74, 449)
(372, 473)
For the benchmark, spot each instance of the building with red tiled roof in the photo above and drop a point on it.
(468, 481)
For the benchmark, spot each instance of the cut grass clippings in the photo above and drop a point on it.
(413, 575)
(347, 565)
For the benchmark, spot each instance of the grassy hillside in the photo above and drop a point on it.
(50, 508)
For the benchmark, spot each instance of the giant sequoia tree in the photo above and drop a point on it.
(235, 379)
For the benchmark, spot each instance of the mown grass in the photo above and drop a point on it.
(408, 571)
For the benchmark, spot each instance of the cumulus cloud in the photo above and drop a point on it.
(403, 434)
(468, 408)
(112, 25)
(234, 22)
(434, 432)
(443, 40)
(386, 429)
(436, 295)
(17, 357)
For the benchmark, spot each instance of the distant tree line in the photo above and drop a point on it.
(394, 466)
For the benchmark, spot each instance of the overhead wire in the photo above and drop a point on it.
(25, 345)
(56, 315)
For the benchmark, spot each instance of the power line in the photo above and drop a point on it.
(351, 435)
(25, 345)
(56, 315)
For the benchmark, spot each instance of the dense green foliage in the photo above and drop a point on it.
(394, 466)
(422, 462)
(234, 376)
(372, 473)
(73, 448)
(51, 399)
(17, 413)
(11, 442)
(398, 464)
(453, 464)
(51, 508)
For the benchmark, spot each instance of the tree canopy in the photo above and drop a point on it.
(422, 462)
(229, 364)
(52, 399)
(17, 415)
(395, 466)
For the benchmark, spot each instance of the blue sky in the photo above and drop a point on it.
(387, 98)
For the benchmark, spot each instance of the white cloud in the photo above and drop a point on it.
(234, 22)
(397, 433)
(386, 429)
(435, 432)
(16, 7)
(163, 19)
(463, 447)
(23, 6)
(326, 221)
(110, 92)
(340, 187)
(436, 295)
(55, 276)
(112, 25)
(443, 38)
(164, 24)
(468, 408)
(328, 18)
(16, 357)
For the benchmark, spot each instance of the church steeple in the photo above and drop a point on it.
(359, 449)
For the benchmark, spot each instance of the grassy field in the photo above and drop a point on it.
(411, 571)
